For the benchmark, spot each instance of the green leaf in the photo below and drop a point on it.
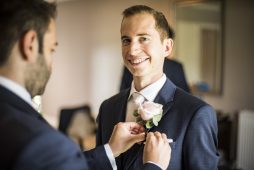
(155, 122)
(149, 124)
(157, 118)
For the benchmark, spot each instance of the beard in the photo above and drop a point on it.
(37, 76)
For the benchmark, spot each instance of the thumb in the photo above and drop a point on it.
(138, 138)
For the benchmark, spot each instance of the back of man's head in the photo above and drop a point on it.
(17, 17)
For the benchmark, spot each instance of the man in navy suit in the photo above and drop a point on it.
(28, 142)
(172, 69)
(191, 123)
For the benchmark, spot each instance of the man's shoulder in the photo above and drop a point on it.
(23, 121)
(50, 144)
(188, 100)
(20, 131)
(20, 126)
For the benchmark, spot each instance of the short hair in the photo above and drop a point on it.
(17, 17)
(161, 22)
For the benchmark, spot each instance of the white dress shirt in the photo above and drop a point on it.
(149, 93)
(16, 89)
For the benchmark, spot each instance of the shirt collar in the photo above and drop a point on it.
(16, 88)
(151, 91)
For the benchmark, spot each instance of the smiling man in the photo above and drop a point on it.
(191, 123)
(143, 49)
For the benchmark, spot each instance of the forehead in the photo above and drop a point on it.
(138, 23)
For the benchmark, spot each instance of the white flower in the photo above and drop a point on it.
(149, 114)
(149, 109)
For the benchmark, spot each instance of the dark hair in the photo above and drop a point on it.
(160, 20)
(17, 17)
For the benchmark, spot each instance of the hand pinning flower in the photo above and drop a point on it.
(149, 114)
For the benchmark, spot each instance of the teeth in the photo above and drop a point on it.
(137, 61)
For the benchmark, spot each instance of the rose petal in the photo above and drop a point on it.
(145, 115)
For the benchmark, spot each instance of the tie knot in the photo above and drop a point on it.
(138, 98)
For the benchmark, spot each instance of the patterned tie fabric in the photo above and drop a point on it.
(135, 101)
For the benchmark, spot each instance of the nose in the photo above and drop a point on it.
(134, 48)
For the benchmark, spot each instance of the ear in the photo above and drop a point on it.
(29, 46)
(168, 46)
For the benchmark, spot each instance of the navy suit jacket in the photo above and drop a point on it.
(190, 122)
(28, 142)
(173, 70)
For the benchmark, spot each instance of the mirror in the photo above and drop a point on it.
(199, 44)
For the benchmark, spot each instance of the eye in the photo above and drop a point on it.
(144, 39)
(125, 41)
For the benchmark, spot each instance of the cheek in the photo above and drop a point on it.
(48, 60)
(150, 49)
(156, 52)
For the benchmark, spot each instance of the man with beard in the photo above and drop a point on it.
(27, 42)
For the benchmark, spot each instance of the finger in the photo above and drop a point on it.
(119, 125)
(138, 130)
(158, 135)
(138, 138)
(149, 136)
(164, 137)
(133, 125)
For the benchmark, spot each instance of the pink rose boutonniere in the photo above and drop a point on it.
(149, 114)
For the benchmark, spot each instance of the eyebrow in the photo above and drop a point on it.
(143, 34)
(146, 34)
(124, 36)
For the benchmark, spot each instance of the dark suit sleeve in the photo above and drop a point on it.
(51, 151)
(99, 153)
(200, 143)
(97, 159)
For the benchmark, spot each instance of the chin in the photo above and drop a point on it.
(40, 91)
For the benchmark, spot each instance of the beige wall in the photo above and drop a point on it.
(88, 61)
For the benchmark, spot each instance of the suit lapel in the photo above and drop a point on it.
(121, 112)
(166, 94)
(164, 97)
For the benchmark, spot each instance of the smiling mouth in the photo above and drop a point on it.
(138, 61)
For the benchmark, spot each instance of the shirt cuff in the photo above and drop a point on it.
(110, 156)
(154, 164)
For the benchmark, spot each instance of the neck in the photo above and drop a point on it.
(142, 82)
(12, 73)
